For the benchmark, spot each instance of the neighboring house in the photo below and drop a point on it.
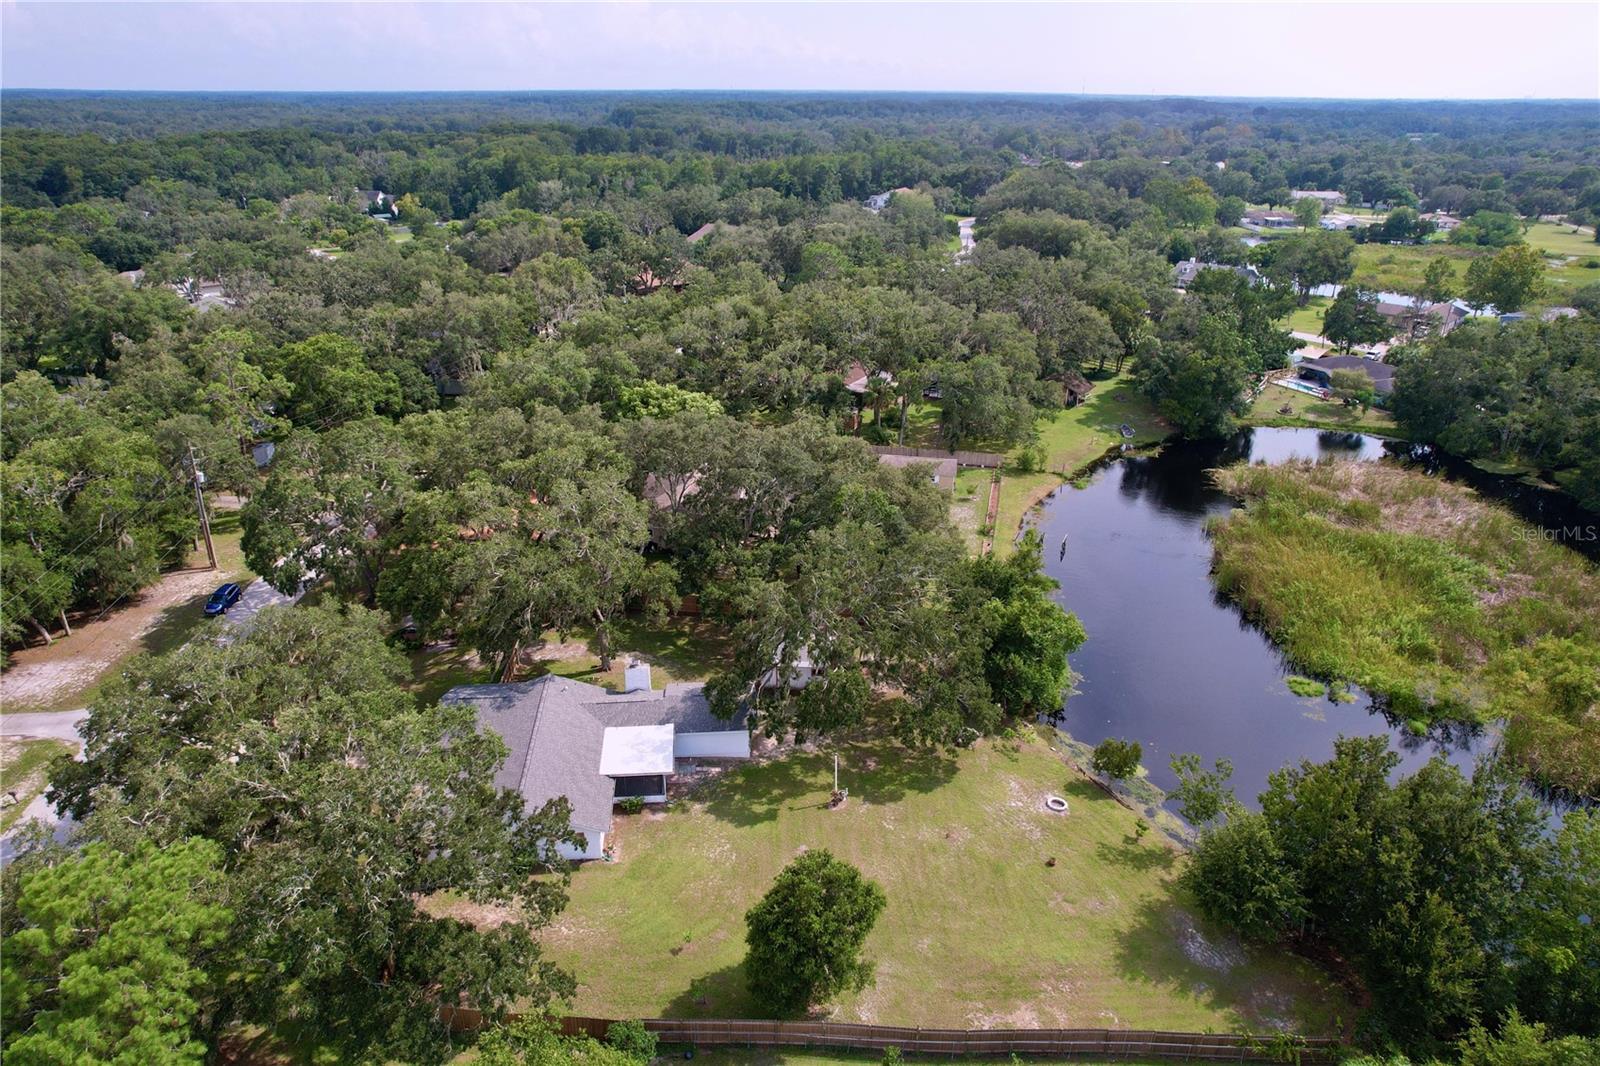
(702, 233)
(1343, 222)
(801, 672)
(568, 738)
(1398, 308)
(1187, 270)
(1327, 197)
(203, 294)
(132, 277)
(1260, 220)
(881, 200)
(1442, 222)
(942, 472)
(857, 377)
(1320, 371)
(375, 199)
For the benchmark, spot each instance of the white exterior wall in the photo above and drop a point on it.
(730, 744)
(596, 848)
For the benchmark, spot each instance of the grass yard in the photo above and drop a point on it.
(979, 931)
(683, 648)
(1443, 604)
(1071, 438)
(969, 505)
(436, 669)
(1555, 238)
(1307, 410)
(1307, 319)
(24, 766)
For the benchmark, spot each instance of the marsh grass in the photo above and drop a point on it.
(1305, 686)
(1440, 603)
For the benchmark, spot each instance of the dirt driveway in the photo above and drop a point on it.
(57, 676)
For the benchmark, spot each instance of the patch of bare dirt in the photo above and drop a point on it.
(1221, 955)
(571, 649)
(53, 675)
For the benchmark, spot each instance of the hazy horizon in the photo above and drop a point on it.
(1283, 51)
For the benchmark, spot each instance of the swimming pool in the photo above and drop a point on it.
(1302, 386)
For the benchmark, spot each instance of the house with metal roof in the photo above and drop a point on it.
(595, 747)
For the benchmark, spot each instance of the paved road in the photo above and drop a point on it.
(58, 725)
(61, 725)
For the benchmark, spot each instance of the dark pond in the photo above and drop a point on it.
(1168, 662)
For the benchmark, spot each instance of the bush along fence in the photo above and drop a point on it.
(1057, 1043)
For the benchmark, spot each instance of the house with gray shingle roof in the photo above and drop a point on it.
(568, 738)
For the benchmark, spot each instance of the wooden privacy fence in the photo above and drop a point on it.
(985, 460)
(1062, 1043)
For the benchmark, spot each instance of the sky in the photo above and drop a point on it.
(1345, 50)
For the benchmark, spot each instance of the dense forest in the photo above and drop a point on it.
(499, 365)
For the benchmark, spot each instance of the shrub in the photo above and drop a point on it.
(891, 1056)
(630, 805)
(632, 1037)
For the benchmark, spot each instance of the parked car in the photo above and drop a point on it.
(223, 598)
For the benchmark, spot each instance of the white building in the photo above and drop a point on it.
(1328, 197)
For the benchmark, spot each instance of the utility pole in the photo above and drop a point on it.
(200, 506)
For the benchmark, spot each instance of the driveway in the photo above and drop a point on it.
(964, 227)
(63, 725)
(259, 594)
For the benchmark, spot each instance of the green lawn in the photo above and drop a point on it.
(1071, 438)
(1557, 239)
(969, 505)
(435, 671)
(1307, 319)
(979, 930)
(1307, 410)
(23, 770)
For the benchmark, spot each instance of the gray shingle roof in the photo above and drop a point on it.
(554, 728)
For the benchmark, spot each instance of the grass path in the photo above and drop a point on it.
(979, 930)
(1070, 439)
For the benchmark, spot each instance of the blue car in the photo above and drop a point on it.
(223, 598)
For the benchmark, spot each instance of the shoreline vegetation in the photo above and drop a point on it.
(1442, 605)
